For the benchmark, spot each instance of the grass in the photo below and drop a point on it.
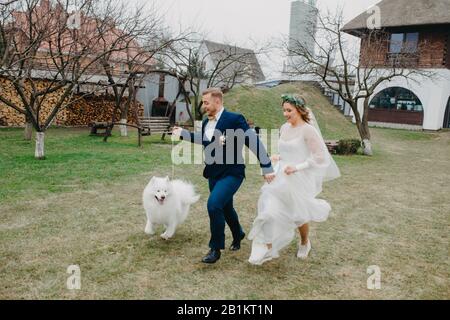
(263, 106)
(82, 205)
(74, 160)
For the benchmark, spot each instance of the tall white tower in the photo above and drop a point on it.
(302, 29)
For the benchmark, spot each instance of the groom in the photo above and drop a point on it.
(225, 168)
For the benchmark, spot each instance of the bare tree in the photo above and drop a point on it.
(353, 74)
(7, 3)
(127, 67)
(52, 47)
(224, 66)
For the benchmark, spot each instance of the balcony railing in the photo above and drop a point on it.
(402, 60)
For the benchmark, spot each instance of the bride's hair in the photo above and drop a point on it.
(299, 103)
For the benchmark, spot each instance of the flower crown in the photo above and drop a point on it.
(291, 99)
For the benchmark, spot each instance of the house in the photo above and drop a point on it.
(160, 90)
(417, 34)
(223, 66)
(45, 61)
(127, 57)
(238, 65)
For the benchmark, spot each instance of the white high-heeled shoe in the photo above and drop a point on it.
(303, 250)
(260, 254)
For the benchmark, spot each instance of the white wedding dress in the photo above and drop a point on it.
(289, 201)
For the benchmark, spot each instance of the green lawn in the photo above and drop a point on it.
(263, 106)
(82, 205)
(74, 160)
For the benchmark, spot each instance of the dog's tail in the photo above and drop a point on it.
(187, 196)
(186, 191)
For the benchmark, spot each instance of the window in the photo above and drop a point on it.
(411, 42)
(404, 42)
(396, 98)
(396, 43)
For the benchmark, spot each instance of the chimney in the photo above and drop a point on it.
(160, 105)
(162, 82)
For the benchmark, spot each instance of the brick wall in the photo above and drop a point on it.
(433, 49)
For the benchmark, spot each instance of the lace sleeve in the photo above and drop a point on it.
(282, 129)
(318, 151)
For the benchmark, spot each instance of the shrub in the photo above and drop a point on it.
(348, 146)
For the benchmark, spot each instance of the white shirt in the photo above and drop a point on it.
(211, 125)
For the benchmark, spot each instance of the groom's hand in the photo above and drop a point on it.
(275, 158)
(176, 131)
(269, 177)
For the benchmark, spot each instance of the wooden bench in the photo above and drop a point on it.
(332, 145)
(147, 126)
(95, 126)
(155, 125)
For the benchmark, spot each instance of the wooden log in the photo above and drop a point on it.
(82, 112)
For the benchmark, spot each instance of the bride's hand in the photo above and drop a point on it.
(290, 170)
(275, 158)
(269, 177)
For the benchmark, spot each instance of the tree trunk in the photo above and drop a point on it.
(124, 115)
(367, 146)
(198, 108)
(123, 128)
(363, 129)
(365, 133)
(39, 151)
(28, 134)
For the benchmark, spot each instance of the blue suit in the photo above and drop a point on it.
(225, 170)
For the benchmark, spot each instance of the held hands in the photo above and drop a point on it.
(176, 131)
(269, 177)
(288, 170)
(275, 158)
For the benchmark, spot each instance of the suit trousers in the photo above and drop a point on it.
(221, 210)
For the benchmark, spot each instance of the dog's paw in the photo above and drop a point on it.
(149, 230)
(166, 236)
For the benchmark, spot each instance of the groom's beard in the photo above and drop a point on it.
(212, 118)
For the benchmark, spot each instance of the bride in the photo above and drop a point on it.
(289, 201)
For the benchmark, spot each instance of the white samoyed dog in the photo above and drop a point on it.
(167, 202)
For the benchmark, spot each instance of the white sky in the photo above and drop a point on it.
(246, 22)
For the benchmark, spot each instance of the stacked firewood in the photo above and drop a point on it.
(11, 117)
(96, 109)
(83, 111)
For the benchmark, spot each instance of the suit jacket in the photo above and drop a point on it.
(223, 159)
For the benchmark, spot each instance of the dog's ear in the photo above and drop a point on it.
(167, 178)
(152, 179)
